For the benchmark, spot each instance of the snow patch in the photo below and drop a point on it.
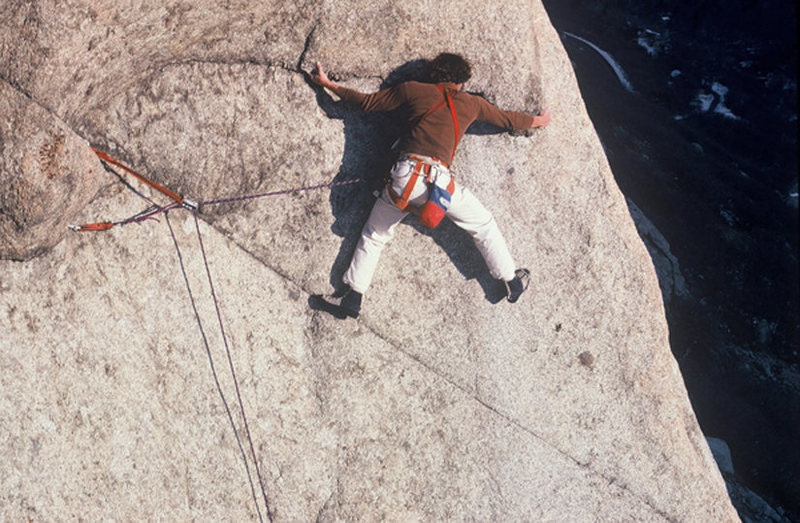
(703, 101)
(643, 42)
(720, 108)
(714, 101)
(621, 76)
(652, 41)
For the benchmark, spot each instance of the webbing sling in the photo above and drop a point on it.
(401, 201)
(450, 104)
(113, 161)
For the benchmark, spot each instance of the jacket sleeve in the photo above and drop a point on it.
(511, 120)
(383, 100)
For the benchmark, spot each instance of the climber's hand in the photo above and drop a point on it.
(541, 119)
(319, 77)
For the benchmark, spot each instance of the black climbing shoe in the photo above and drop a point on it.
(344, 303)
(515, 287)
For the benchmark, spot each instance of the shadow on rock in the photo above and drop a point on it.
(317, 303)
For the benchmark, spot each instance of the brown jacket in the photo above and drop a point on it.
(433, 136)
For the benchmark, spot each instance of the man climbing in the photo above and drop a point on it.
(436, 116)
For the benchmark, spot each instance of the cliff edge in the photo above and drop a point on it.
(440, 402)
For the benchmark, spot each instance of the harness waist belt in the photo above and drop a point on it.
(429, 160)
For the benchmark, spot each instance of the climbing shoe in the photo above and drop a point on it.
(344, 303)
(516, 286)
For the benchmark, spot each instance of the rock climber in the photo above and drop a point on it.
(436, 116)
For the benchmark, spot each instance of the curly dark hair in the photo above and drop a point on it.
(449, 67)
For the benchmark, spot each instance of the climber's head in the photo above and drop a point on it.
(449, 67)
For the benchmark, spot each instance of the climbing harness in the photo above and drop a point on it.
(435, 208)
(181, 201)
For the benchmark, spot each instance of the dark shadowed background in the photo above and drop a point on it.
(704, 142)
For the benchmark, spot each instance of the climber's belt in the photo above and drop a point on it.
(431, 160)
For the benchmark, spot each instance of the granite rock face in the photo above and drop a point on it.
(441, 401)
(48, 174)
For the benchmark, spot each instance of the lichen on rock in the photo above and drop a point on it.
(47, 175)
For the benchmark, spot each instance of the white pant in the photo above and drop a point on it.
(465, 211)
